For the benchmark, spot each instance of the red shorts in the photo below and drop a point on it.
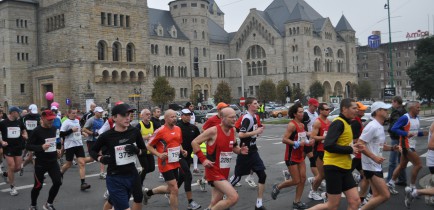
(216, 174)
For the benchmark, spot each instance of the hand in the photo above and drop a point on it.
(45, 146)
(184, 153)
(163, 156)
(311, 141)
(378, 159)
(132, 149)
(85, 134)
(104, 159)
(260, 130)
(4, 143)
(208, 163)
(74, 129)
(244, 150)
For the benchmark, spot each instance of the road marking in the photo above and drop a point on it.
(19, 188)
(278, 143)
(279, 163)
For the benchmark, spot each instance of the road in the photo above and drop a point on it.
(271, 150)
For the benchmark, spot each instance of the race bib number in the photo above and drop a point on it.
(52, 143)
(255, 127)
(173, 154)
(225, 159)
(77, 135)
(122, 157)
(380, 150)
(303, 138)
(14, 132)
(31, 124)
(412, 140)
(324, 134)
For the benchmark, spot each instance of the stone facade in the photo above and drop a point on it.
(102, 49)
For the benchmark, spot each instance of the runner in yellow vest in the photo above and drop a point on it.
(146, 129)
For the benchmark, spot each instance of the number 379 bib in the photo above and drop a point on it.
(122, 157)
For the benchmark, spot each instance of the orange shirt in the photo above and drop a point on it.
(167, 140)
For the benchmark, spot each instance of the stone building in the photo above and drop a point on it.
(373, 65)
(98, 49)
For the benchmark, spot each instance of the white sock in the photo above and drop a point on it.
(195, 159)
(392, 181)
(259, 202)
(414, 193)
(232, 178)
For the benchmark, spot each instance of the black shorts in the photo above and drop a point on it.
(320, 155)
(356, 164)
(338, 180)
(90, 144)
(307, 149)
(59, 145)
(431, 170)
(291, 163)
(370, 174)
(211, 183)
(12, 152)
(78, 151)
(171, 175)
(247, 163)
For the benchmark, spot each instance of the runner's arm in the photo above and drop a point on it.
(207, 135)
(288, 132)
(315, 131)
(397, 127)
(32, 145)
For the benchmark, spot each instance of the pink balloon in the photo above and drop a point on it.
(49, 96)
(55, 104)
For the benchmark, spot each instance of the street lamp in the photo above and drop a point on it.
(137, 94)
(387, 6)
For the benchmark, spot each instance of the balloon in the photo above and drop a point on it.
(49, 96)
(55, 104)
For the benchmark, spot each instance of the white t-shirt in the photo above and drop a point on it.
(192, 119)
(312, 117)
(374, 136)
(430, 154)
(74, 139)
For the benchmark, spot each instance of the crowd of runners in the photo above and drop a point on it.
(345, 155)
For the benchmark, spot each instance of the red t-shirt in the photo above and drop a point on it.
(167, 140)
(291, 154)
(322, 132)
(213, 121)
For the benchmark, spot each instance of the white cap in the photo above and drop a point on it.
(185, 111)
(54, 108)
(98, 109)
(379, 105)
(33, 108)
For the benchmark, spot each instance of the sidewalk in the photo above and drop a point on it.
(426, 113)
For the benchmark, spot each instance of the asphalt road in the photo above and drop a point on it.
(271, 150)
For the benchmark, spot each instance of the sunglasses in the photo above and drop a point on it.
(326, 109)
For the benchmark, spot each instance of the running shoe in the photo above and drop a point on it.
(47, 206)
(13, 191)
(274, 192)
(299, 205)
(74, 162)
(201, 182)
(286, 174)
(315, 195)
(250, 181)
(311, 180)
(324, 197)
(408, 196)
(146, 197)
(193, 205)
(33, 208)
(106, 195)
(238, 184)
(392, 189)
(196, 172)
(84, 186)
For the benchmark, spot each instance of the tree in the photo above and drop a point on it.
(298, 93)
(281, 90)
(421, 73)
(316, 89)
(162, 93)
(363, 90)
(267, 91)
(223, 93)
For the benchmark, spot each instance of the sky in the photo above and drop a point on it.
(364, 16)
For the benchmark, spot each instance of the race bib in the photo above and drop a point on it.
(14, 132)
(302, 137)
(31, 124)
(225, 159)
(77, 135)
(324, 134)
(173, 154)
(255, 127)
(52, 142)
(412, 140)
(122, 157)
(380, 150)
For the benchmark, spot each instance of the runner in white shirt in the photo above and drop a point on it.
(73, 145)
(373, 138)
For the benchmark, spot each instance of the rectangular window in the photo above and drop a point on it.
(175, 7)
(102, 18)
(205, 73)
(181, 91)
(27, 56)
(27, 39)
(127, 21)
(18, 23)
(18, 56)
(22, 56)
(193, 4)
(22, 89)
(202, 5)
(18, 39)
(121, 20)
(239, 91)
(115, 20)
(109, 19)
(251, 90)
(25, 23)
(183, 5)
(22, 39)
(366, 75)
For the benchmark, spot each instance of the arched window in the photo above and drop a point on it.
(256, 63)
(102, 49)
(130, 52)
(259, 68)
(116, 51)
(254, 69)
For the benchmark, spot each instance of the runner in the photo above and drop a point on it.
(13, 136)
(221, 143)
(397, 111)
(168, 140)
(91, 128)
(43, 142)
(408, 128)
(73, 145)
(295, 138)
(147, 160)
(190, 106)
(309, 118)
(412, 193)
(155, 119)
(88, 114)
(31, 121)
(58, 124)
(373, 138)
(122, 176)
(337, 160)
(319, 131)
(252, 162)
(189, 132)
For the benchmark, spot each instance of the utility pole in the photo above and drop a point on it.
(387, 6)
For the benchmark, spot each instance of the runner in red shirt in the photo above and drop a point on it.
(215, 120)
(221, 143)
(167, 140)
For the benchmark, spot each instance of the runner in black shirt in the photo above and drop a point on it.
(31, 121)
(155, 119)
(43, 143)
(122, 175)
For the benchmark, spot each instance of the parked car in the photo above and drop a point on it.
(200, 116)
(175, 107)
(237, 110)
(335, 113)
(279, 112)
(211, 113)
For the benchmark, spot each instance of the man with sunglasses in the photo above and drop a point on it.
(309, 118)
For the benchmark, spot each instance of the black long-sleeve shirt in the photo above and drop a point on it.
(189, 133)
(110, 139)
(335, 130)
(37, 139)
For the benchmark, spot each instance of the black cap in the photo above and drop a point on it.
(187, 104)
(122, 109)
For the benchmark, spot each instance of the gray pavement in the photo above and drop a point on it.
(271, 150)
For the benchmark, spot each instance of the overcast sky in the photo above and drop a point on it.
(364, 16)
